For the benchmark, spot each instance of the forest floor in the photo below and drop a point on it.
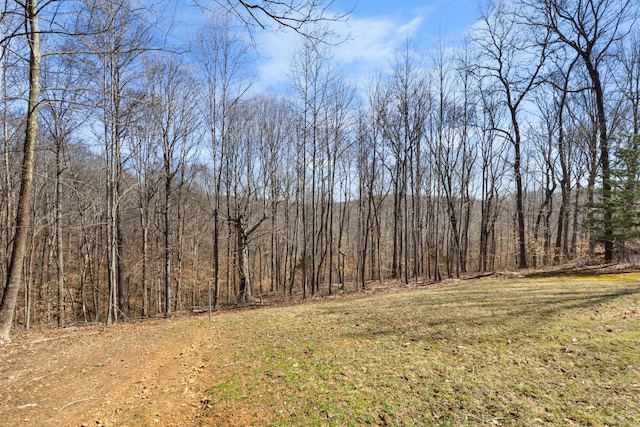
(508, 349)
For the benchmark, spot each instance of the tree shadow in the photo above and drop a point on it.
(504, 312)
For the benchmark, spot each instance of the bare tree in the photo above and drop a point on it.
(513, 59)
(401, 107)
(116, 37)
(30, 11)
(629, 81)
(451, 151)
(301, 16)
(311, 77)
(221, 57)
(60, 120)
(543, 134)
(560, 81)
(12, 88)
(244, 232)
(247, 209)
(172, 110)
(275, 132)
(337, 142)
(147, 166)
(370, 198)
(492, 174)
(322, 104)
(591, 29)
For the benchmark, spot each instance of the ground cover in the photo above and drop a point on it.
(554, 350)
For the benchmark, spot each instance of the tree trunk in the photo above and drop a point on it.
(242, 246)
(58, 233)
(216, 255)
(167, 244)
(23, 218)
(522, 245)
(604, 161)
(145, 268)
(7, 196)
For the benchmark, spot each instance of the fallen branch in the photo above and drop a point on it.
(38, 341)
(230, 364)
(28, 405)
(80, 401)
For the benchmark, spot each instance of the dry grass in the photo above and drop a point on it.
(531, 351)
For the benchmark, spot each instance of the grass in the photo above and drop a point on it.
(537, 351)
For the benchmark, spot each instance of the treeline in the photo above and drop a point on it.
(158, 170)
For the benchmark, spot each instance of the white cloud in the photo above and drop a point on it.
(276, 52)
(411, 27)
(369, 47)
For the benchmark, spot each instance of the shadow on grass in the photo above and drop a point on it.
(426, 316)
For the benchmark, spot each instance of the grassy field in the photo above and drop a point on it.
(559, 350)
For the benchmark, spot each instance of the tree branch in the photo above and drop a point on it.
(296, 15)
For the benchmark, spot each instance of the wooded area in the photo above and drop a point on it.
(137, 168)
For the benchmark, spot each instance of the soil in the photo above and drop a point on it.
(141, 373)
(149, 372)
(134, 374)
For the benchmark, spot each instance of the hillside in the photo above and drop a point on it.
(498, 351)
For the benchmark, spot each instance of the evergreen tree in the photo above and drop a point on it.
(624, 203)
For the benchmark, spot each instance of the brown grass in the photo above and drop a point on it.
(543, 351)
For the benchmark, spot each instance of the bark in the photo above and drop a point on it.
(58, 233)
(167, 243)
(216, 255)
(243, 235)
(604, 159)
(561, 251)
(23, 218)
(522, 245)
(7, 196)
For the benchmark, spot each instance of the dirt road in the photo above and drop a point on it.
(142, 373)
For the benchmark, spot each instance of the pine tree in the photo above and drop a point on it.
(624, 203)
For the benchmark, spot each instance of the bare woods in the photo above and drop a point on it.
(138, 167)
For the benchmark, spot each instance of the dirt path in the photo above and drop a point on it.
(153, 372)
(142, 373)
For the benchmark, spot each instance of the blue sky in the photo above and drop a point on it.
(375, 29)
(451, 17)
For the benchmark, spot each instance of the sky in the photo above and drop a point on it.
(374, 29)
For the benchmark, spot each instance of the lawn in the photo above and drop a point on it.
(561, 350)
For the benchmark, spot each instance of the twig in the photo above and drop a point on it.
(81, 400)
(28, 405)
(230, 364)
(38, 341)
(192, 404)
(483, 421)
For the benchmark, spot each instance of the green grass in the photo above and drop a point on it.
(537, 351)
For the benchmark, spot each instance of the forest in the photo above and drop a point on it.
(142, 173)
